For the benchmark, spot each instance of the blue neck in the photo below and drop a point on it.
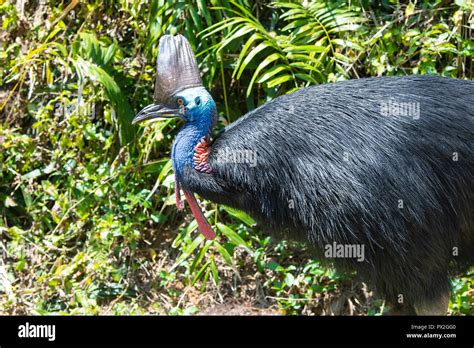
(183, 147)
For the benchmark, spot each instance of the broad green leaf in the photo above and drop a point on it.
(225, 254)
(232, 235)
(272, 72)
(279, 80)
(271, 58)
(251, 56)
(240, 215)
(303, 48)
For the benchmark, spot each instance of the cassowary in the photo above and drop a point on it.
(384, 163)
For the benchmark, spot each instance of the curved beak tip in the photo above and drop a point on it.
(154, 111)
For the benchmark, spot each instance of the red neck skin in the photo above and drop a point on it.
(203, 225)
(201, 164)
(177, 192)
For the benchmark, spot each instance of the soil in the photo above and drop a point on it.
(238, 309)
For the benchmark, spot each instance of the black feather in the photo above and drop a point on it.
(332, 168)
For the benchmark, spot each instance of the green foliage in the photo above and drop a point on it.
(88, 223)
(296, 55)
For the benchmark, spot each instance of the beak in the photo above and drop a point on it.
(155, 111)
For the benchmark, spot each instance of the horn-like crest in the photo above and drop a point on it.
(177, 68)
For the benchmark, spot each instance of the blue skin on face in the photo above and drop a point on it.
(197, 108)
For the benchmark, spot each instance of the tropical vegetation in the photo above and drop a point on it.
(88, 222)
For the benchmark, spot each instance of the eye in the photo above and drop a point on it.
(197, 101)
(180, 101)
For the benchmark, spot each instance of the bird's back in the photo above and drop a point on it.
(385, 163)
(352, 160)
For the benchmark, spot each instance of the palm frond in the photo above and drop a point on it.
(313, 41)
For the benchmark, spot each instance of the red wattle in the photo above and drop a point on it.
(203, 225)
(177, 192)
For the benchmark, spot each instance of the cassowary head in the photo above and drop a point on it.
(178, 88)
(179, 93)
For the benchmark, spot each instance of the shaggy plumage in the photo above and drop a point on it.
(384, 164)
(334, 164)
